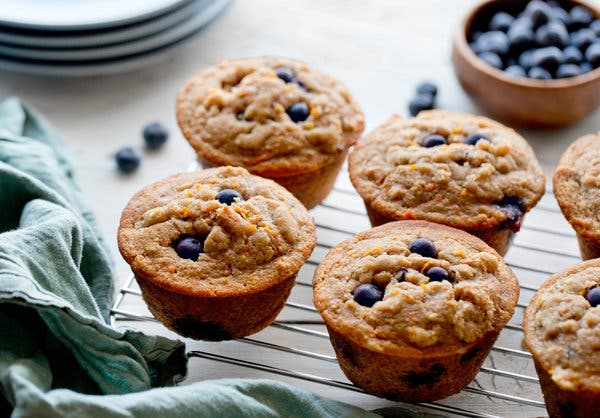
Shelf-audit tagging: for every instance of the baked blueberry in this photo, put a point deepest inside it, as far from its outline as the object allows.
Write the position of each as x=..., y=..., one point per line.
x=580, y=17
x=300, y=84
x=285, y=73
x=492, y=59
x=155, y=135
x=474, y=138
x=572, y=55
x=298, y=112
x=593, y=54
x=400, y=276
x=501, y=21
x=427, y=88
x=548, y=58
x=516, y=70
x=419, y=103
x=595, y=27
x=229, y=196
x=582, y=38
x=513, y=207
x=434, y=141
x=367, y=294
x=520, y=37
x=553, y=33
x=189, y=247
x=423, y=247
x=593, y=296
x=539, y=12
x=495, y=41
x=568, y=70
x=128, y=160
x=437, y=274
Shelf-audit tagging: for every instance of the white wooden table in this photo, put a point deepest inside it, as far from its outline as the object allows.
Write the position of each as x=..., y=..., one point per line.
x=380, y=49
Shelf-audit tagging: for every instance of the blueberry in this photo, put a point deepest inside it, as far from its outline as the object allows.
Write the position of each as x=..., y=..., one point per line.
x=492, y=59
x=298, y=112
x=560, y=14
x=300, y=84
x=155, y=135
x=434, y=141
x=593, y=54
x=228, y=196
x=367, y=294
x=423, y=247
x=401, y=274
x=474, y=138
x=501, y=21
x=494, y=41
x=516, y=71
x=553, y=33
x=572, y=55
x=583, y=38
x=539, y=12
x=285, y=73
x=420, y=103
x=548, y=58
x=595, y=27
x=513, y=208
x=189, y=247
x=526, y=59
x=475, y=35
x=520, y=37
x=127, y=159
x=427, y=88
x=580, y=17
x=437, y=274
x=568, y=70
x=539, y=73
x=585, y=67
x=593, y=296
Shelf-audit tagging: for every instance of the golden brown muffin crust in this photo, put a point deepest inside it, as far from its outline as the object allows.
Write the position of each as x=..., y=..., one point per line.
x=415, y=313
x=562, y=330
x=457, y=184
x=235, y=113
x=249, y=245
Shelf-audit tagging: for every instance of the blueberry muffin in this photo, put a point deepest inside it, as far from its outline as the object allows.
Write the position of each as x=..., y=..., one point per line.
x=464, y=171
x=562, y=331
x=215, y=252
x=277, y=117
x=413, y=308
x=577, y=190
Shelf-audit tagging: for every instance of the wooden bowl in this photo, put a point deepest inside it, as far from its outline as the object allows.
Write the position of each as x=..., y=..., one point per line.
x=520, y=100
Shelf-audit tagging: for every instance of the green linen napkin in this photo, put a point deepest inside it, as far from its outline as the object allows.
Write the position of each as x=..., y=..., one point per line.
x=59, y=357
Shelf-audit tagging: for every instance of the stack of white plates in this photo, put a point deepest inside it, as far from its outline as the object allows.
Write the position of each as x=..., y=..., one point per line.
x=91, y=37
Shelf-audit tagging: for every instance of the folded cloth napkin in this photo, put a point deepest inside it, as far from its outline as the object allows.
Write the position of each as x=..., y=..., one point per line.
x=59, y=357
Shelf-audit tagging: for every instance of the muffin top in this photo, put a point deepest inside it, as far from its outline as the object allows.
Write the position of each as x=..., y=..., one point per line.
x=578, y=174
x=457, y=169
x=408, y=286
x=562, y=327
x=273, y=116
x=218, y=232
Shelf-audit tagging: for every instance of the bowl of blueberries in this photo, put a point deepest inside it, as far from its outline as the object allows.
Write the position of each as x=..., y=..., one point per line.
x=532, y=63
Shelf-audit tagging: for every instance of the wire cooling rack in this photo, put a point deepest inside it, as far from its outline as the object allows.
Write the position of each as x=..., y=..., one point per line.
x=296, y=349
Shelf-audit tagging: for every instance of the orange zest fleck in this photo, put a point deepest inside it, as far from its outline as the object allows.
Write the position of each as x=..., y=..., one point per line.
x=197, y=186
x=190, y=194
x=185, y=212
x=412, y=166
x=243, y=212
x=423, y=286
x=457, y=129
x=463, y=193
x=430, y=187
x=172, y=269
x=408, y=214
x=373, y=251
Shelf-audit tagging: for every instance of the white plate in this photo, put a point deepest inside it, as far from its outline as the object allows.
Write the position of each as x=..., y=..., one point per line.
x=201, y=16
x=79, y=14
x=49, y=39
x=33, y=39
x=141, y=59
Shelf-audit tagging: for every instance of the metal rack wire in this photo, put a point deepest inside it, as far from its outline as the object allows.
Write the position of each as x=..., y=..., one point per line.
x=296, y=347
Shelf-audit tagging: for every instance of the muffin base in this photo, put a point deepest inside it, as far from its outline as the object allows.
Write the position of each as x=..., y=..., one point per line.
x=310, y=188
x=216, y=318
x=497, y=238
x=587, y=248
x=566, y=403
x=409, y=379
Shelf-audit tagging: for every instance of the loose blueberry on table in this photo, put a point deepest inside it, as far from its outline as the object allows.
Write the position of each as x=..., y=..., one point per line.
x=367, y=294
x=189, y=247
x=539, y=41
x=229, y=196
x=423, y=247
x=426, y=94
x=128, y=160
x=155, y=135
